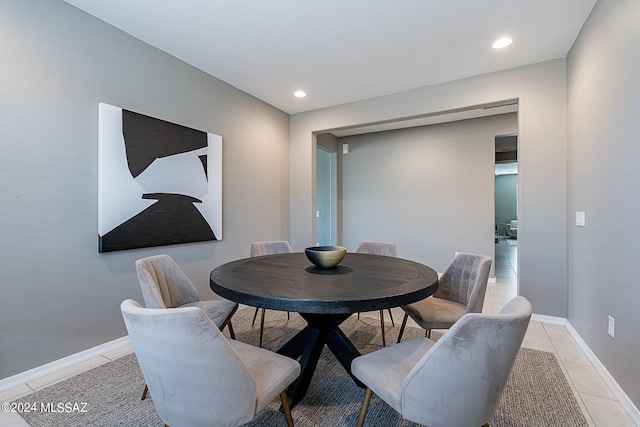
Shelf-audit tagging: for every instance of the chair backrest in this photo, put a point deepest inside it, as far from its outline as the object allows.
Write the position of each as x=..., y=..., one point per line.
x=270, y=248
x=163, y=283
x=465, y=281
x=377, y=248
x=460, y=380
x=193, y=375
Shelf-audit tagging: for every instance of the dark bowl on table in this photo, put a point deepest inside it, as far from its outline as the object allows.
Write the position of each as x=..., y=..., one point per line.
x=325, y=256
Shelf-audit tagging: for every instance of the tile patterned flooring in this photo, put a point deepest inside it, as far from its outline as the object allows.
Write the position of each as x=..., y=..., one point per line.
x=599, y=405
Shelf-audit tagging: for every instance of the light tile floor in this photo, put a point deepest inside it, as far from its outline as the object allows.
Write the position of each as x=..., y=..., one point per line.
x=599, y=405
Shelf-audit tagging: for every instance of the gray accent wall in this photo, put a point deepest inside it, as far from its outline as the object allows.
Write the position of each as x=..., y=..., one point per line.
x=604, y=182
x=541, y=93
x=506, y=199
x=59, y=295
x=429, y=189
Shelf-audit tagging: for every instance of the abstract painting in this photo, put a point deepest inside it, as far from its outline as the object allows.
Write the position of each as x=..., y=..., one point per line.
x=159, y=183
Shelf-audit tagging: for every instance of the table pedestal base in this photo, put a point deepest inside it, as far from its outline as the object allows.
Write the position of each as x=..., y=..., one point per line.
x=307, y=344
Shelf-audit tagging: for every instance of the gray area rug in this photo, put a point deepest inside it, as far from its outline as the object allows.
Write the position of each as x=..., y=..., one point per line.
x=537, y=392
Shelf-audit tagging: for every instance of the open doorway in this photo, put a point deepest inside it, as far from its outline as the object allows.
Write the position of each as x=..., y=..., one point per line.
x=506, y=208
x=326, y=197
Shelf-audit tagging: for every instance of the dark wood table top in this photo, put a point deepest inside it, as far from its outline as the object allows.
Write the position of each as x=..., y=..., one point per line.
x=289, y=282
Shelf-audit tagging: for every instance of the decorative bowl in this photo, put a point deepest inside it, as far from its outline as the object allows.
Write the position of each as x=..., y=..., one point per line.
x=325, y=256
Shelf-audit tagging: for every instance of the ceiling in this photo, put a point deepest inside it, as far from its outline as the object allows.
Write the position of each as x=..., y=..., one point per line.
x=341, y=51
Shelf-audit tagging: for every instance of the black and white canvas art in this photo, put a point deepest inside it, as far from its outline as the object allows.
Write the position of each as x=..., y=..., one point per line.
x=160, y=183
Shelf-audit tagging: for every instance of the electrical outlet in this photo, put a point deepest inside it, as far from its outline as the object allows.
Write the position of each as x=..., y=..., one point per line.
x=612, y=327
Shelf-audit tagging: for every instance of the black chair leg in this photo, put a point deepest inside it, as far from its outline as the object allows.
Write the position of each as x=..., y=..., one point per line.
x=261, y=326
x=255, y=314
x=404, y=324
x=231, y=333
x=384, y=341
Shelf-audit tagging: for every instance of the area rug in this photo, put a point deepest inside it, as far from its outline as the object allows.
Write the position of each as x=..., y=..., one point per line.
x=537, y=393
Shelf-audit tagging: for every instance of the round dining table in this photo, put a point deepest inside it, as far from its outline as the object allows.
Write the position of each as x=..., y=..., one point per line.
x=324, y=298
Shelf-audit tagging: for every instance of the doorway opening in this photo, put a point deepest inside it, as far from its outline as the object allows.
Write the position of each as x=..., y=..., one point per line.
x=326, y=197
x=506, y=209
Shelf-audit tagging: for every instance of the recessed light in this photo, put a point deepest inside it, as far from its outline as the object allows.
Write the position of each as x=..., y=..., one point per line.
x=502, y=43
x=300, y=93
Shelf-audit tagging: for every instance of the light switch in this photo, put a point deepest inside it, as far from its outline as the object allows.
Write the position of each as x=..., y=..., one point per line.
x=580, y=219
x=317, y=214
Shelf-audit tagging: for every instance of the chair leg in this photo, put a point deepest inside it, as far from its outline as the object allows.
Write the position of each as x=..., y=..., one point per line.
x=365, y=407
x=231, y=333
x=404, y=324
x=261, y=326
x=384, y=342
x=255, y=314
x=287, y=408
x=391, y=317
x=427, y=333
x=144, y=392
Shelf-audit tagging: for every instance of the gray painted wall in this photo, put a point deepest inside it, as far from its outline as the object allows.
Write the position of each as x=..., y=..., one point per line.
x=604, y=177
x=429, y=189
x=506, y=199
x=541, y=93
x=59, y=296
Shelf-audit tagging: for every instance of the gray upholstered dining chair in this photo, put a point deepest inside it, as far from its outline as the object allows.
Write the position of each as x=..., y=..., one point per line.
x=461, y=290
x=268, y=248
x=379, y=248
x=196, y=376
x=456, y=381
x=164, y=285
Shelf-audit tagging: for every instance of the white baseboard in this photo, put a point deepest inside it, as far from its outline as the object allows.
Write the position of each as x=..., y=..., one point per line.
x=617, y=391
x=543, y=318
x=66, y=362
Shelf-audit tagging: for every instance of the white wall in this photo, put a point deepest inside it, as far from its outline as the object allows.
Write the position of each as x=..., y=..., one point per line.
x=59, y=295
x=541, y=92
x=604, y=177
x=429, y=189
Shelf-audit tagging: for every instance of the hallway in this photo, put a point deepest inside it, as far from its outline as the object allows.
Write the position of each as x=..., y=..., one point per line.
x=506, y=260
